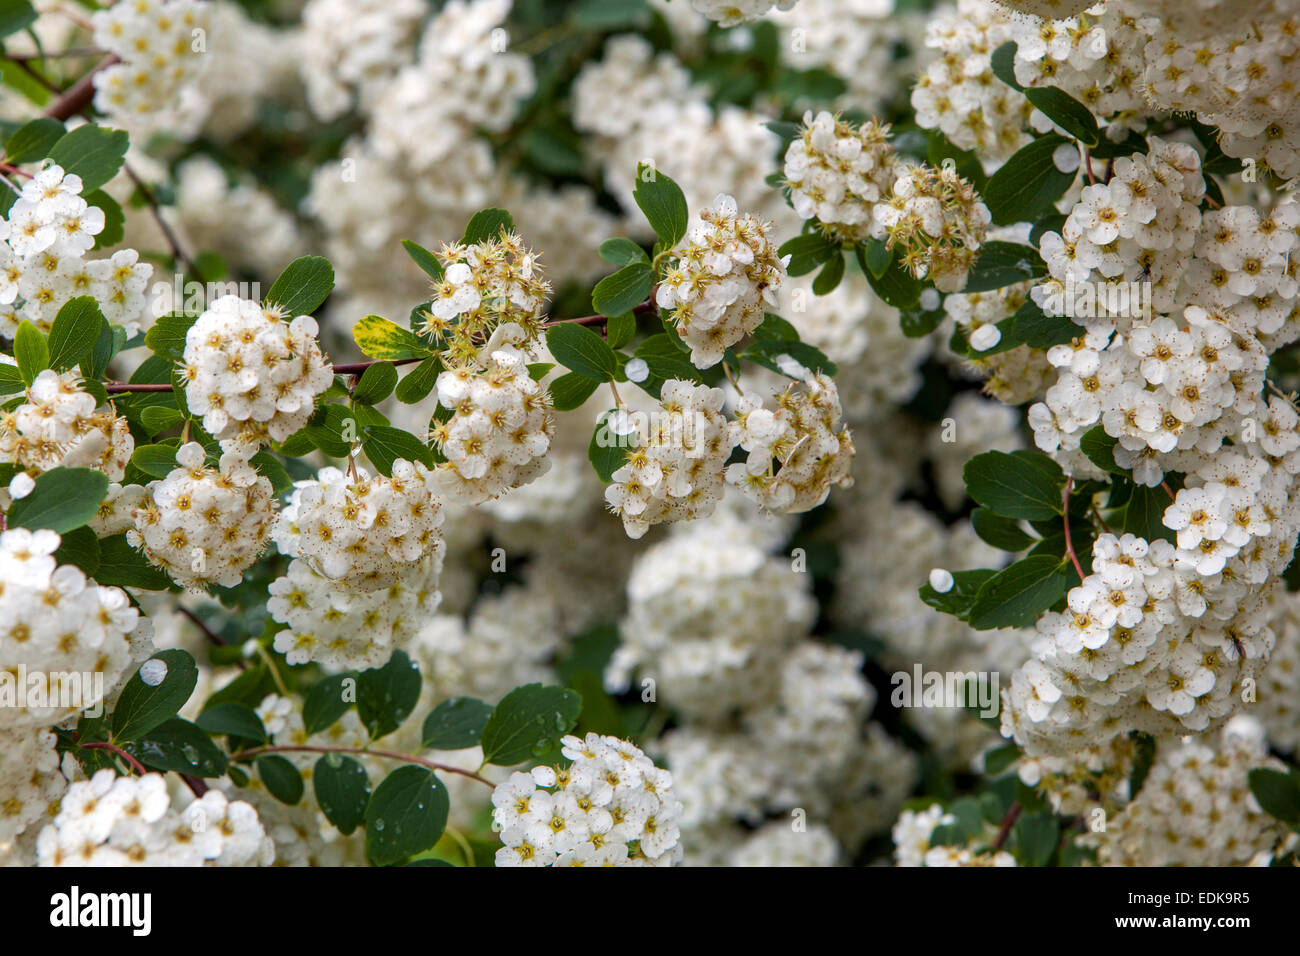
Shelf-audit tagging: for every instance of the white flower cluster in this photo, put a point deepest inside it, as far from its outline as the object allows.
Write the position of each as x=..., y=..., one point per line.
x=939, y=222
x=838, y=172
x=58, y=426
x=709, y=619
x=912, y=831
x=1097, y=58
x=129, y=821
x=46, y=234
x=869, y=44
x=464, y=79
x=361, y=532
x=1171, y=382
x=487, y=286
x=726, y=270
x=729, y=13
x=205, y=525
x=161, y=47
x=638, y=104
x=500, y=424
x=611, y=806
x=1162, y=635
x=252, y=377
x=804, y=436
x=675, y=471
x=30, y=781
x=779, y=844
x=958, y=93
x=352, y=45
x=53, y=621
x=1237, y=76
x=345, y=628
x=1195, y=807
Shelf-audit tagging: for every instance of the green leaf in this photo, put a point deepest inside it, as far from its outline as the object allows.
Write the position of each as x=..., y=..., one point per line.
x=1035, y=328
x=807, y=252
x=1015, y=596
x=281, y=777
x=156, y=461
x=999, y=531
x=425, y=259
x=327, y=701
x=342, y=789
x=1036, y=836
x=486, y=225
x=1144, y=513
x=121, y=565
x=1100, y=449
x=876, y=257
x=662, y=202
x=304, y=284
x=570, y=390
x=896, y=286
x=578, y=348
x=235, y=720
x=1028, y=184
x=30, y=351
x=178, y=746
x=419, y=381
x=386, y=695
x=377, y=383
x=114, y=219
x=769, y=352
x=11, y=380
x=527, y=721
x=35, y=138
x=95, y=153
x=622, y=252
x=406, y=815
x=1002, y=264
x=620, y=330
x=607, y=451
x=1066, y=112
x=1022, y=484
x=63, y=499
x=1278, y=793
x=958, y=599
x=623, y=291
x=830, y=276
x=166, y=337
x=378, y=338
x=326, y=429
x=775, y=327
x=142, y=707
x=1004, y=65
x=455, y=724
x=665, y=361
x=384, y=444
x=79, y=547
x=159, y=418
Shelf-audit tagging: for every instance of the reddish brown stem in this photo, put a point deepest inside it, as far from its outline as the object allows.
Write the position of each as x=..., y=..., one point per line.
x=1007, y=823
x=1069, y=546
x=78, y=97
x=113, y=748
x=357, y=751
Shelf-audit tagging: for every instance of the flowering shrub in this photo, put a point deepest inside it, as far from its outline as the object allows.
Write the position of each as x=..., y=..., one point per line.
x=671, y=432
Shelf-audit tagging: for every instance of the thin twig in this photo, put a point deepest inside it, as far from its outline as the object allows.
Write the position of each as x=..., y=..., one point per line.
x=114, y=748
x=173, y=243
x=78, y=97
x=1069, y=546
x=363, y=752
x=1007, y=823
